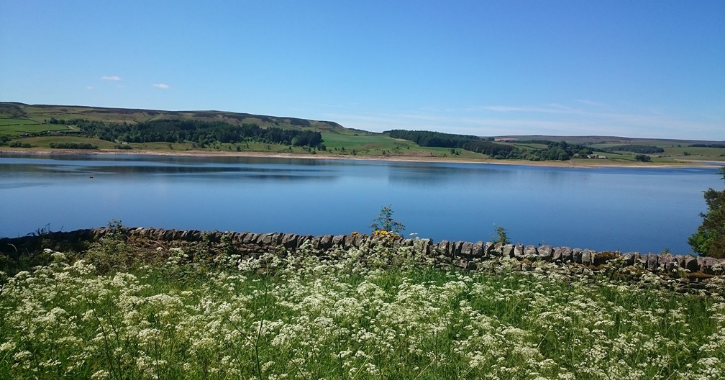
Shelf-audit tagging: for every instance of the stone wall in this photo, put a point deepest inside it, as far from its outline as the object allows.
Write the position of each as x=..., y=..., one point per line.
x=461, y=254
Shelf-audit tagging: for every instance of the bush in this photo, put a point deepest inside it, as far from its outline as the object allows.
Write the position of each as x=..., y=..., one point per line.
x=643, y=158
x=18, y=144
x=385, y=222
x=709, y=240
x=71, y=145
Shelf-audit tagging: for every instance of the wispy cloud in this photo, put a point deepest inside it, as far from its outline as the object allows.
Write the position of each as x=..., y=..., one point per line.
x=89, y=87
x=162, y=86
x=590, y=102
x=552, y=119
x=111, y=77
x=551, y=108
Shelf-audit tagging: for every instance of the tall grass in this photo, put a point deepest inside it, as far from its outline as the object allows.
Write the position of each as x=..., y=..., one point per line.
x=361, y=314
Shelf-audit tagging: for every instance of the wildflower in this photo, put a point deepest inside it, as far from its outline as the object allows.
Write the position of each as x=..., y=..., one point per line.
x=99, y=375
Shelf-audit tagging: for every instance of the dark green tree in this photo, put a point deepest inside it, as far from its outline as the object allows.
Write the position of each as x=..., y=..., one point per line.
x=642, y=158
x=709, y=240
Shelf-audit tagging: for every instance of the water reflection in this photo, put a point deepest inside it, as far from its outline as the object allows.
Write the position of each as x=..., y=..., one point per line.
x=603, y=208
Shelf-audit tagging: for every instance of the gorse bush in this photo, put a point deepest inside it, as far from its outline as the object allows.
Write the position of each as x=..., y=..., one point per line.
x=369, y=313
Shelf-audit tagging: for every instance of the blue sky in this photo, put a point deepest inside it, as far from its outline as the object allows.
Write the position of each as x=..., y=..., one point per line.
x=625, y=68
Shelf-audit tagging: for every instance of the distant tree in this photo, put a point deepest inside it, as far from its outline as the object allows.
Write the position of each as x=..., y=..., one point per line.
x=709, y=240
x=636, y=149
x=642, y=158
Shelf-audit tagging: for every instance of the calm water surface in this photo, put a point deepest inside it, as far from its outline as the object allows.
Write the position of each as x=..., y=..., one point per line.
x=604, y=208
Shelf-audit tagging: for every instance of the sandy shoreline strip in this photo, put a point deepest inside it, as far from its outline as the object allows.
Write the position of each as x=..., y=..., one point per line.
x=589, y=163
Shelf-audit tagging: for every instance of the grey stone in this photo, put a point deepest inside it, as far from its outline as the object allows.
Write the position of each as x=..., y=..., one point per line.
x=290, y=240
x=588, y=257
x=652, y=262
x=519, y=251
x=302, y=239
x=706, y=264
x=444, y=248
x=477, y=250
x=691, y=264
x=546, y=252
x=467, y=250
x=629, y=258
x=326, y=242
x=576, y=254
x=489, y=249
x=249, y=238
x=339, y=240
x=457, y=249
x=567, y=254
x=601, y=258
x=531, y=252
x=507, y=250
x=668, y=263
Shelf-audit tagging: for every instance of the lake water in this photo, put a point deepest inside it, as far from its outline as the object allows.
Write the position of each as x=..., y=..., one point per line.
x=629, y=209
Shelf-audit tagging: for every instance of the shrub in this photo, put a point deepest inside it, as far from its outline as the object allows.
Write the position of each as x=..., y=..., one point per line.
x=709, y=240
x=385, y=222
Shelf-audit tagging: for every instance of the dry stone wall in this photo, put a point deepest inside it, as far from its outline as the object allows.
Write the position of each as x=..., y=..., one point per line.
x=461, y=254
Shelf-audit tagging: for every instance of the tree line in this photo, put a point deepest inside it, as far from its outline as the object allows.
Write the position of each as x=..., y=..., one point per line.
x=72, y=145
x=197, y=131
x=483, y=145
x=560, y=151
x=647, y=149
x=435, y=139
x=707, y=145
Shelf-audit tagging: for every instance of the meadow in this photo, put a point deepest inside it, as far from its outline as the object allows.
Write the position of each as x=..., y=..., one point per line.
x=369, y=313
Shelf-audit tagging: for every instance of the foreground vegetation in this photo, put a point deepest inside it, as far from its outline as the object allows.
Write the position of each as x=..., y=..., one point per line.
x=709, y=240
x=115, y=311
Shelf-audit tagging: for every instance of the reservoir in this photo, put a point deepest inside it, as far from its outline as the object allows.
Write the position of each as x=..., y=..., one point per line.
x=626, y=209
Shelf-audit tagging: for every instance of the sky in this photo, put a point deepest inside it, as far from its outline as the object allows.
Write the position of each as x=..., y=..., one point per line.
x=489, y=68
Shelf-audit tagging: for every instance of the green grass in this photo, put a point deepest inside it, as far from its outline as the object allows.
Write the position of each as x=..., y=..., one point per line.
x=186, y=314
x=365, y=141
x=42, y=142
x=15, y=127
x=16, y=119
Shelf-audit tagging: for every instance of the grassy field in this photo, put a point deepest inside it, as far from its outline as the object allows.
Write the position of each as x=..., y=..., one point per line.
x=17, y=119
x=360, y=314
x=43, y=142
x=15, y=127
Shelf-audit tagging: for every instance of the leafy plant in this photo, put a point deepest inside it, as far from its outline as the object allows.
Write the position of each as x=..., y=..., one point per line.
x=111, y=253
x=502, y=236
x=709, y=240
x=385, y=222
x=42, y=231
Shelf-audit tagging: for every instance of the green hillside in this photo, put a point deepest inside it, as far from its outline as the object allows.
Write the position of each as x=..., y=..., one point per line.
x=56, y=127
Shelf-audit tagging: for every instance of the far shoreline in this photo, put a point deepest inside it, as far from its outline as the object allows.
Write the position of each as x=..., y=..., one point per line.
x=589, y=163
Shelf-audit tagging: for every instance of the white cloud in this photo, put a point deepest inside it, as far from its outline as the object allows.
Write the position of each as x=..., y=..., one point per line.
x=551, y=108
x=89, y=87
x=162, y=86
x=590, y=102
x=552, y=119
x=111, y=77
